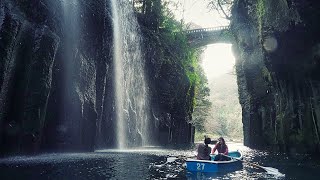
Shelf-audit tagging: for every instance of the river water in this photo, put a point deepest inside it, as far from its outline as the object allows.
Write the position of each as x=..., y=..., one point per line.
x=150, y=163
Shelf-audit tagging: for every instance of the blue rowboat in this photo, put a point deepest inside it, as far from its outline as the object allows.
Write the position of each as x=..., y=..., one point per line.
x=195, y=165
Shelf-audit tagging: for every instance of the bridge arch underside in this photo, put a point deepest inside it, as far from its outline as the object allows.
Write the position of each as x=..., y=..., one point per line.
x=199, y=39
x=217, y=62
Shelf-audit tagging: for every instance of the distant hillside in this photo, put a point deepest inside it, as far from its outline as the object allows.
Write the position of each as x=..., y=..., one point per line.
x=225, y=113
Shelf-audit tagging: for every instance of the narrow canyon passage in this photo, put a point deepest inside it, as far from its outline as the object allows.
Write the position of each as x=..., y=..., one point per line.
x=113, y=88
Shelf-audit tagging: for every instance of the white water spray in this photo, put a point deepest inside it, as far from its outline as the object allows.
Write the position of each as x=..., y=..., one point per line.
x=70, y=23
x=129, y=79
x=71, y=32
x=118, y=75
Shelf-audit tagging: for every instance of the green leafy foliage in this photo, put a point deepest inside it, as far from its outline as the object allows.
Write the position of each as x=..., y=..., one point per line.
x=202, y=103
x=173, y=43
x=226, y=113
x=260, y=14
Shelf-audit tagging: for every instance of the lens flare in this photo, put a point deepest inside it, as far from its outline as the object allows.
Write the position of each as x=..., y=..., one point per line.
x=270, y=44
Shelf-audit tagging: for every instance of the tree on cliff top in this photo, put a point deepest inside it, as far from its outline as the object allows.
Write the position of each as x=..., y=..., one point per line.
x=152, y=9
x=223, y=7
x=158, y=17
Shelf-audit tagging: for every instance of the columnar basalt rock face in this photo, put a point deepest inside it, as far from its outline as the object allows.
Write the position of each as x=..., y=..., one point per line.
x=171, y=93
x=27, y=57
x=34, y=112
x=277, y=51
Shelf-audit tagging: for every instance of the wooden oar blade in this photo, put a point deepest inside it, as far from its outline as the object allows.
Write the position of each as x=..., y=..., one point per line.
x=273, y=171
x=174, y=158
x=171, y=159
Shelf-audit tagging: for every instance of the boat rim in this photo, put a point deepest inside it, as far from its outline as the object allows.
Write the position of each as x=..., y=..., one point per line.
x=218, y=162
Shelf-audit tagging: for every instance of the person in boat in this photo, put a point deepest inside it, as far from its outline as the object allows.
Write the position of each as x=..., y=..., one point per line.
x=222, y=149
x=204, y=150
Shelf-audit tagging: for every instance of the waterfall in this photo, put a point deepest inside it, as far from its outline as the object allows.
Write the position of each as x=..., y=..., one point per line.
x=131, y=96
x=70, y=109
x=70, y=26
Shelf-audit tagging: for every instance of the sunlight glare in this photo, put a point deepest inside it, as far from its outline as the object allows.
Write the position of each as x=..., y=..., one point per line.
x=218, y=60
x=196, y=11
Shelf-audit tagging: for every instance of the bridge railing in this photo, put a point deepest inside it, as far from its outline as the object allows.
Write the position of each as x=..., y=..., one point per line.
x=207, y=29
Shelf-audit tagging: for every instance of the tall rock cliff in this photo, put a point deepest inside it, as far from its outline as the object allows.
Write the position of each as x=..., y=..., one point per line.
x=278, y=67
x=34, y=111
x=172, y=93
x=56, y=84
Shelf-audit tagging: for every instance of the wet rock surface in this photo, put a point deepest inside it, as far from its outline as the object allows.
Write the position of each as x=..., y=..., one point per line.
x=56, y=83
x=278, y=73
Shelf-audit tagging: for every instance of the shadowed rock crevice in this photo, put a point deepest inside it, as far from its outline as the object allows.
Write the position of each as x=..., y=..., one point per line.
x=278, y=72
x=46, y=105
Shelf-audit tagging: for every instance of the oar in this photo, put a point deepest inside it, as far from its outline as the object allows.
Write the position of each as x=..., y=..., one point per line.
x=269, y=170
x=171, y=159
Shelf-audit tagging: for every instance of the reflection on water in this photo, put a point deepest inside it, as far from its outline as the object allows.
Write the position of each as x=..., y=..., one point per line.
x=78, y=166
x=150, y=163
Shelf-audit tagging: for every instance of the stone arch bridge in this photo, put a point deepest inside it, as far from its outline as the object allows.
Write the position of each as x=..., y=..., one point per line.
x=205, y=36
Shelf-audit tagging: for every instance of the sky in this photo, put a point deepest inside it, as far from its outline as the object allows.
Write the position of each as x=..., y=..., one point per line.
x=196, y=11
x=217, y=58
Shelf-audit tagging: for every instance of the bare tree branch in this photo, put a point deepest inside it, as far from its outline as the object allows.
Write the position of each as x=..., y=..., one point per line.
x=221, y=8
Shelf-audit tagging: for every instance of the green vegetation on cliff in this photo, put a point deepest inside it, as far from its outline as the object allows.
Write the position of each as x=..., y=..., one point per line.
x=260, y=14
x=173, y=52
x=277, y=91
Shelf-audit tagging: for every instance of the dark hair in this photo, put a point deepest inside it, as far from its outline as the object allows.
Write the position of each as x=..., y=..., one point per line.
x=207, y=140
x=221, y=138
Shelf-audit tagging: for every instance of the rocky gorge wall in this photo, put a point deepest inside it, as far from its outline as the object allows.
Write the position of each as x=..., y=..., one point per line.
x=172, y=93
x=34, y=112
x=41, y=111
x=278, y=68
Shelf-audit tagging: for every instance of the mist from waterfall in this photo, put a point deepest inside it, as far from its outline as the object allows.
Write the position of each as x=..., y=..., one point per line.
x=131, y=96
x=71, y=32
x=70, y=28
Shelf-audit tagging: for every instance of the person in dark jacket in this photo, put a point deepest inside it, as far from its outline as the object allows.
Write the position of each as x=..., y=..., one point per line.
x=204, y=150
x=222, y=149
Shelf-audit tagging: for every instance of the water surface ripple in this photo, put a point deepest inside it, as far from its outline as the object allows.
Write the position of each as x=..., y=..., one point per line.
x=150, y=163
